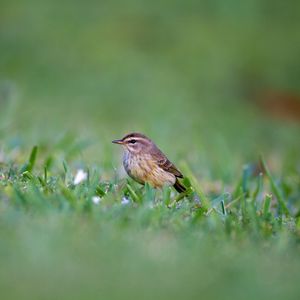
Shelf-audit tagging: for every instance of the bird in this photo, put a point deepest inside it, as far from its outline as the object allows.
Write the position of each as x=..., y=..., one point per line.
x=146, y=163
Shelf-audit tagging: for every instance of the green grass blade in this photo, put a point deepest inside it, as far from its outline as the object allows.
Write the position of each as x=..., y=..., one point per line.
x=282, y=208
x=223, y=208
x=32, y=158
x=133, y=194
x=259, y=187
x=28, y=167
x=195, y=184
x=267, y=205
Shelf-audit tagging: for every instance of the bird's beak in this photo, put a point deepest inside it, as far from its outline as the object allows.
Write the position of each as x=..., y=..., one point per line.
x=120, y=142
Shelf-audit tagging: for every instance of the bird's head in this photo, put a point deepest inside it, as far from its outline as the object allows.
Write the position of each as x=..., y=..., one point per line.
x=135, y=143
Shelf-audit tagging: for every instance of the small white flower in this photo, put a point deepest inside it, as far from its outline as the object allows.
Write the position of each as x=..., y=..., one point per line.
x=80, y=176
x=125, y=201
x=96, y=199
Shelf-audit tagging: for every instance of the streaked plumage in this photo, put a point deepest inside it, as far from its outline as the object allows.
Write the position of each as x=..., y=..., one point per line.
x=145, y=162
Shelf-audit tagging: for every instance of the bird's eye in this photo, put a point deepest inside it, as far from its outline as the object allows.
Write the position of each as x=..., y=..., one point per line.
x=132, y=141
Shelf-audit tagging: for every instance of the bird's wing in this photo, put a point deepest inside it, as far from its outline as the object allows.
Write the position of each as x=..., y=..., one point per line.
x=165, y=164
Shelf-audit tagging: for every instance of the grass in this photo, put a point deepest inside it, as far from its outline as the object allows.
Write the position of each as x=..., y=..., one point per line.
x=56, y=242
x=73, y=77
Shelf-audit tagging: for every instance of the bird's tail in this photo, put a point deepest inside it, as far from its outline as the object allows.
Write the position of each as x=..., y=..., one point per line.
x=179, y=187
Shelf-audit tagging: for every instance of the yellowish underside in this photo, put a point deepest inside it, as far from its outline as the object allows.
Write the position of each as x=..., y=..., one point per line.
x=144, y=169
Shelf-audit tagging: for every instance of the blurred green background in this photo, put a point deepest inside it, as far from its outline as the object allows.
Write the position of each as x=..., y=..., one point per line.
x=214, y=83
x=187, y=74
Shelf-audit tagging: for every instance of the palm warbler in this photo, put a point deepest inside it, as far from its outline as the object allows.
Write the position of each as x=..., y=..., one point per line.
x=145, y=162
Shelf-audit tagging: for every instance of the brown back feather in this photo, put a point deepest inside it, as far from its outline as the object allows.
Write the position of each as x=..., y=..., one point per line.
x=164, y=163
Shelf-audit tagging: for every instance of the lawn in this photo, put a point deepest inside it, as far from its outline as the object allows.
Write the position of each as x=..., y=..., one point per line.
x=74, y=76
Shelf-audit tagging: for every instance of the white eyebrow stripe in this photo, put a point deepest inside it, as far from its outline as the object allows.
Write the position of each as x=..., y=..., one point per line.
x=134, y=138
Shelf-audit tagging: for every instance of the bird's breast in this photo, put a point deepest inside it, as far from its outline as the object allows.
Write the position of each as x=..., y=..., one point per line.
x=137, y=166
x=143, y=168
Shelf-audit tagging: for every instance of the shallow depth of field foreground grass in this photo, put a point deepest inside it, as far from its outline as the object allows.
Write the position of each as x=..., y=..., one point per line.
x=111, y=238
x=215, y=84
